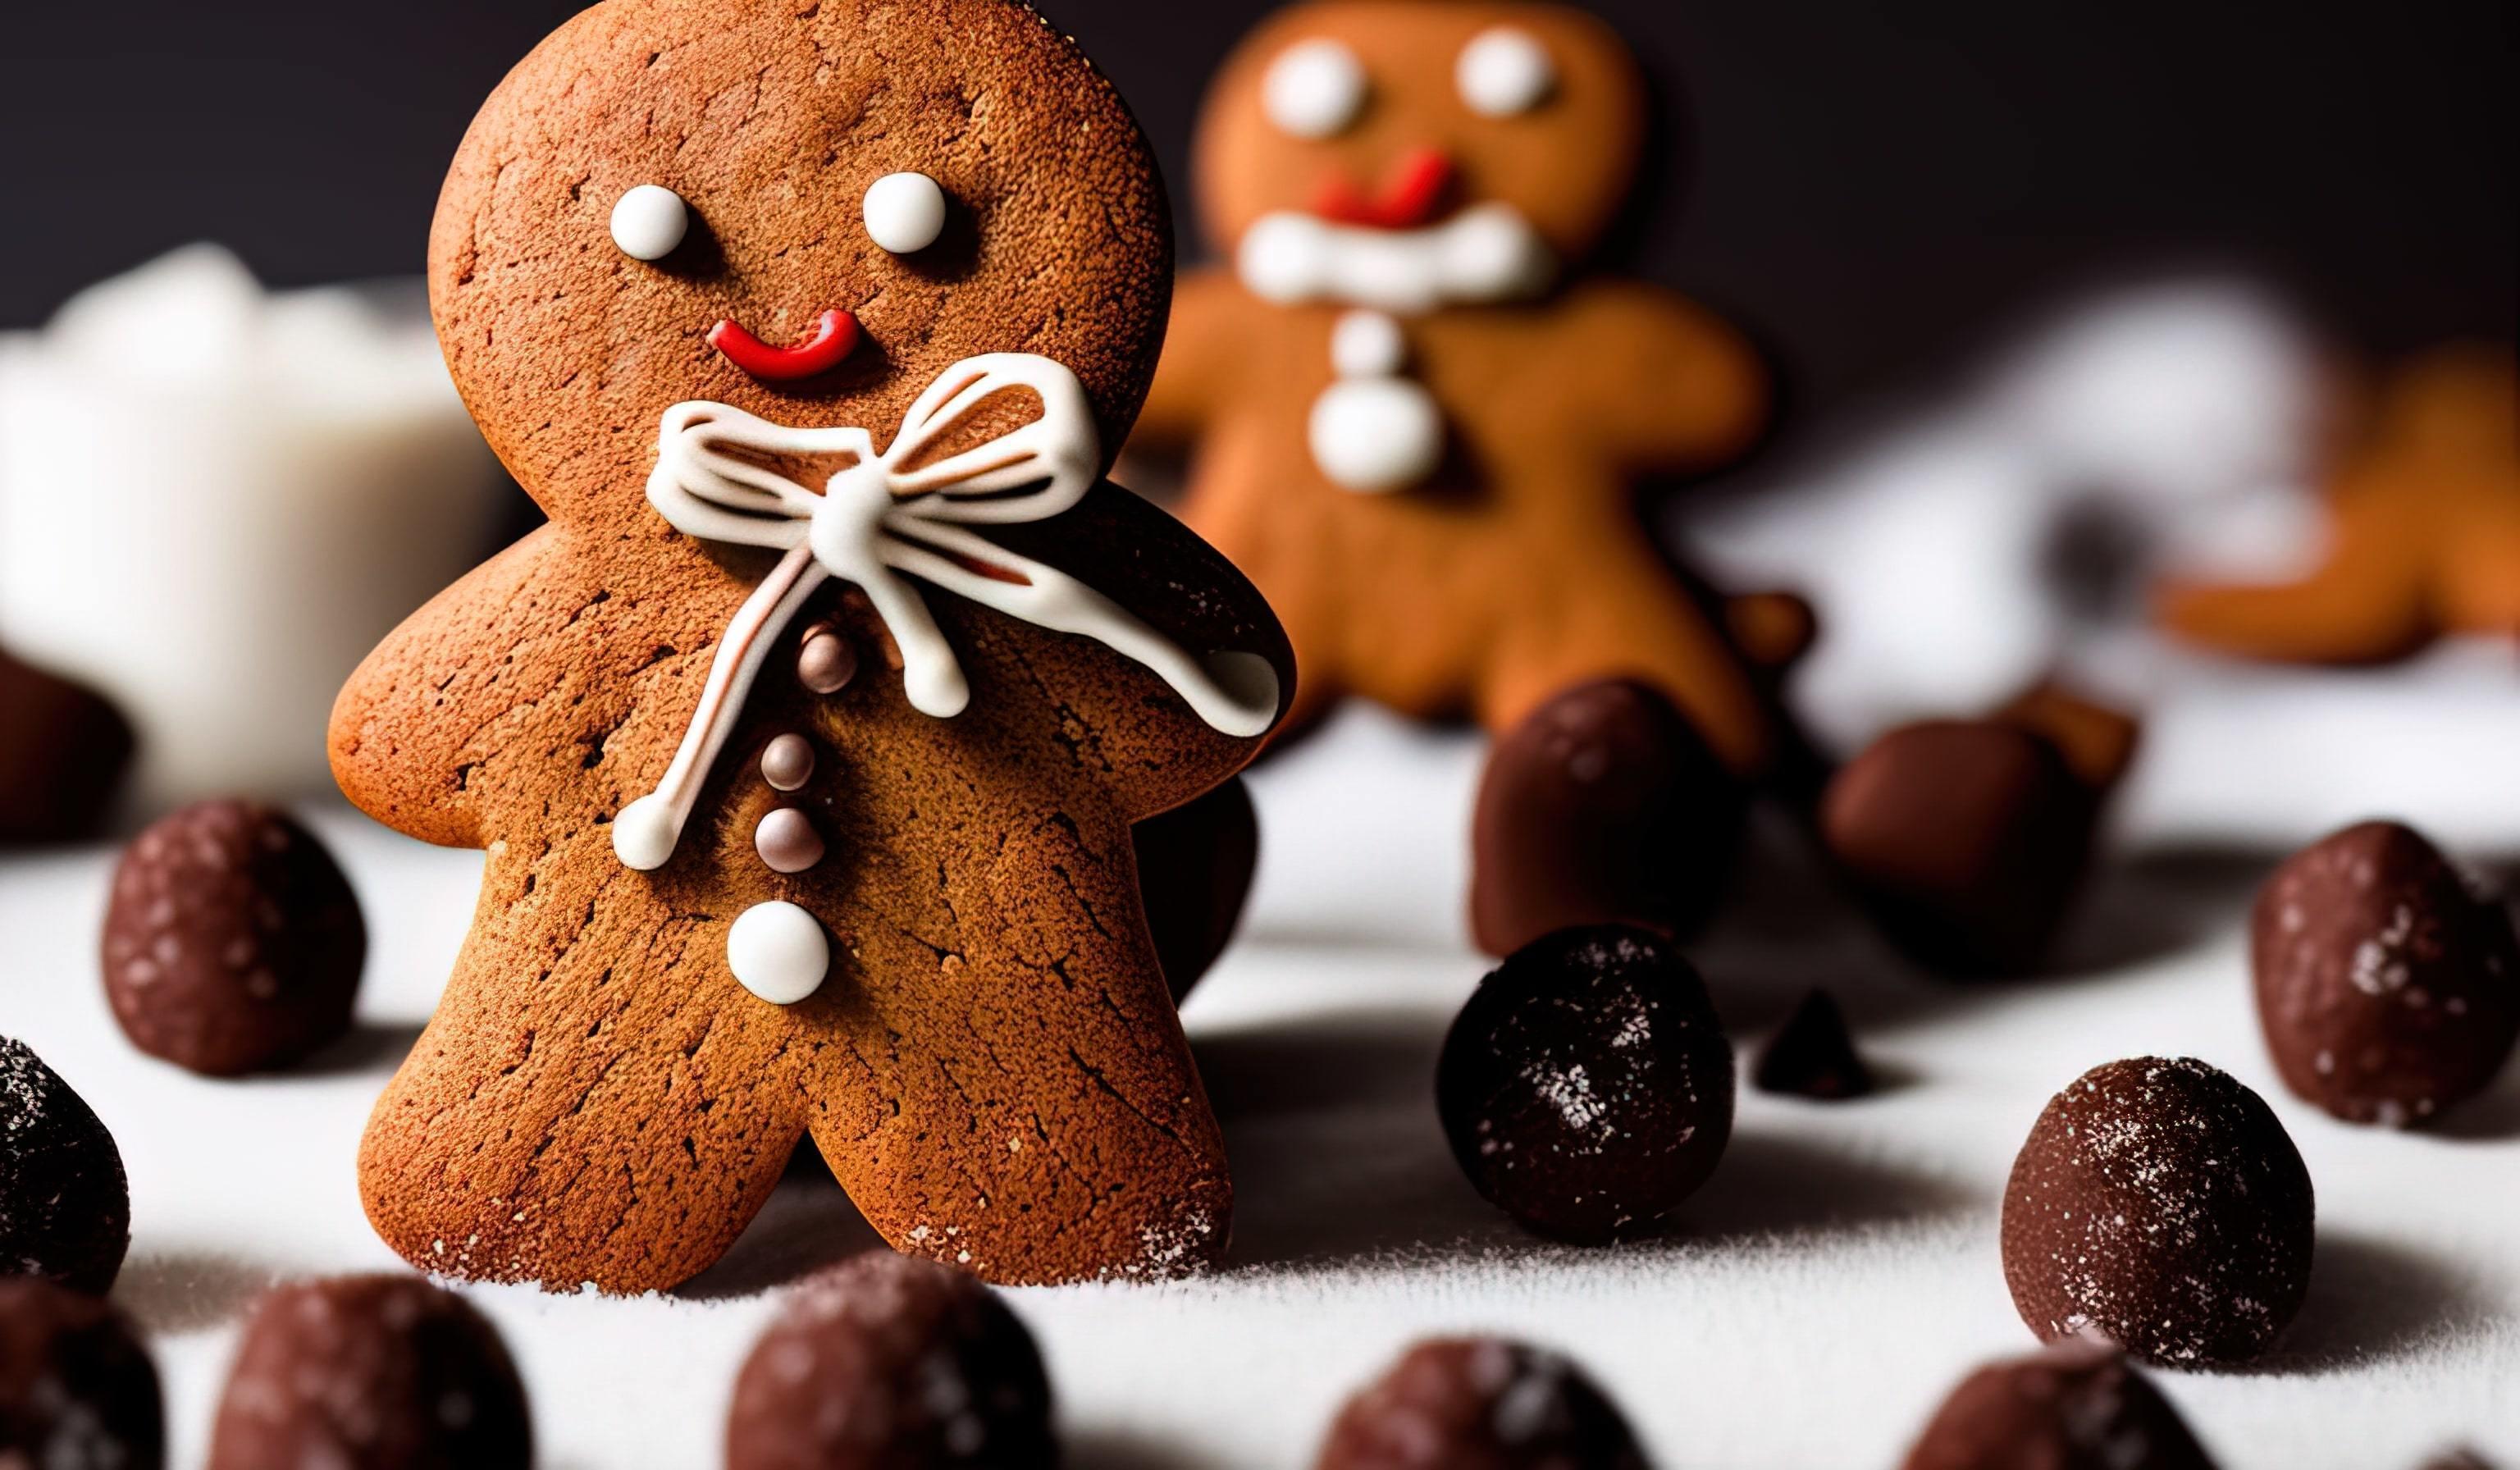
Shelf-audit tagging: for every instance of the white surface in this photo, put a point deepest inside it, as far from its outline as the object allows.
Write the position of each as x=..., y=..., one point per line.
x=1810, y=1308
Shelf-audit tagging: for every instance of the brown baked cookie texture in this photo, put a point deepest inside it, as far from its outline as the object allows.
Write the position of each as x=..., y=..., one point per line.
x=806, y=741
x=1413, y=416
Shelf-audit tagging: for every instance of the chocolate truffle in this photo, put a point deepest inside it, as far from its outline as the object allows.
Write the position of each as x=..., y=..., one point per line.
x=64, y=1207
x=1602, y=806
x=1586, y=1085
x=889, y=1363
x=62, y=752
x=379, y=1371
x=2388, y=990
x=77, y=1388
x=1195, y=866
x=232, y=943
x=2160, y=1204
x=1480, y=1404
x=2075, y=1406
x=1966, y=841
x=1812, y=1055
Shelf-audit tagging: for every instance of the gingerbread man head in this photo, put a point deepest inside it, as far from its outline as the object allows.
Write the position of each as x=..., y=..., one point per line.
x=806, y=740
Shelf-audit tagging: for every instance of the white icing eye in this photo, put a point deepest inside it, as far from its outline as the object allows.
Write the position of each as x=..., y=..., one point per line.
x=905, y=213
x=648, y=221
x=1503, y=72
x=1314, y=89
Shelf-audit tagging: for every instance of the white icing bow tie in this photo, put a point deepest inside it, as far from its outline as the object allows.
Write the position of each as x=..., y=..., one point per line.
x=886, y=515
x=1486, y=254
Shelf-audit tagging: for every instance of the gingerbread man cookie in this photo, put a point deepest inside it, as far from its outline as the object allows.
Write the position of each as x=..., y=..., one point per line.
x=806, y=741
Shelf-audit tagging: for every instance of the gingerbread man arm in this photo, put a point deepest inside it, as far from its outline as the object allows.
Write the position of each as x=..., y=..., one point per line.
x=1671, y=387
x=1200, y=347
x=2365, y=602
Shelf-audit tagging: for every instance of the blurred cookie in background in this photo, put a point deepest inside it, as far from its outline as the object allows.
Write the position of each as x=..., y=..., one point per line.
x=63, y=748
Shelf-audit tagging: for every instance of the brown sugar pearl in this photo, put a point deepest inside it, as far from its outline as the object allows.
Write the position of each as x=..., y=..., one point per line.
x=788, y=763
x=1587, y=1087
x=2075, y=1406
x=888, y=1361
x=786, y=840
x=77, y=1388
x=375, y=1370
x=825, y=661
x=65, y=1206
x=233, y=942
x=1480, y=1404
x=2388, y=991
x=2160, y=1204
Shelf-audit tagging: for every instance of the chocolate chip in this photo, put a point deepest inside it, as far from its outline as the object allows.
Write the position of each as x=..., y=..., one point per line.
x=1812, y=1055
x=77, y=1388
x=64, y=1207
x=1195, y=866
x=231, y=943
x=1603, y=805
x=2160, y=1204
x=2075, y=1406
x=2388, y=991
x=1480, y=1404
x=383, y=1370
x=1586, y=1085
x=889, y=1361
x=62, y=752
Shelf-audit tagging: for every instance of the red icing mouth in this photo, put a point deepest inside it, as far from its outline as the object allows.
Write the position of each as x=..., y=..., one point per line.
x=835, y=335
x=1412, y=191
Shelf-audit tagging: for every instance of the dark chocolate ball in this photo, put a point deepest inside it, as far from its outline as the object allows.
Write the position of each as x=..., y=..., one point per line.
x=77, y=1388
x=1603, y=805
x=232, y=943
x=63, y=751
x=1586, y=1085
x=1480, y=1404
x=65, y=1206
x=2160, y=1204
x=1966, y=840
x=2075, y=1406
x=1195, y=866
x=2387, y=989
x=890, y=1363
x=1812, y=1055
x=385, y=1372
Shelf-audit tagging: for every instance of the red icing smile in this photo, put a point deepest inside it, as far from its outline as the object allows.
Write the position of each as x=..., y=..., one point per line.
x=1411, y=193
x=834, y=334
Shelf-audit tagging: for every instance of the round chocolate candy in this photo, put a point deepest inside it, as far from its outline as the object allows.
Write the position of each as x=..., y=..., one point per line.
x=1195, y=866
x=65, y=1206
x=2160, y=1204
x=888, y=1360
x=1586, y=1085
x=1603, y=805
x=1812, y=1055
x=232, y=943
x=2075, y=1406
x=77, y=1388
x=371, y=1370
x=2387, y=989
x=63, y=751
x=1480, y=1404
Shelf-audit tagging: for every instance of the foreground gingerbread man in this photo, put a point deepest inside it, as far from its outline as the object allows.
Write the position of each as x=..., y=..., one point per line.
x=805, y=742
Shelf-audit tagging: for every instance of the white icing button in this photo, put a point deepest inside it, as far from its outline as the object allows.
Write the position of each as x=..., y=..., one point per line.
x=1314, y=89
x=788, y=762
x=1503, y=72
x=786, y=841
x=643, y=833
x=648, y=221
x=1377, y=434
x=1367, y=344
x=778, y=952
x=903, y=213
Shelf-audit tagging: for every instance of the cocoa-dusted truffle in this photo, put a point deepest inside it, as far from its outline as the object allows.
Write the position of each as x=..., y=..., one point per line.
x=374, y=1370
x=63, y=751
x=1480, y=1404
x=77, y=1388
x=890, y=1363
x=1195, y=866
x=1812, y=1055
x=2161, y=1204
x=232, y=943
x=65, y=1206
x=1586, y=1085
x=1603, y=805
x=2075, y=1406
x=2388, y=990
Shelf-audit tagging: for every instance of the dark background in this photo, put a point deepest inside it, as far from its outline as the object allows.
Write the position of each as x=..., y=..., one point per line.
x=1867, y=186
